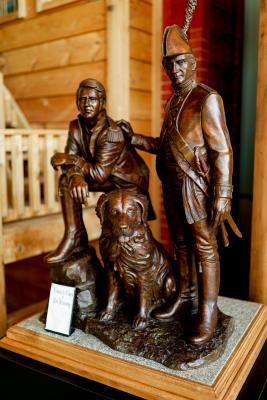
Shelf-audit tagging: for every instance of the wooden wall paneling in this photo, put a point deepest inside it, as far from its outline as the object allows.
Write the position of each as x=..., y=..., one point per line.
x=51, y=110
x=156, y=103
x=86, y=48
x=140, y=75
x=118, y=58
x=140, y=45
x=141, y=15
x=142, y=126
x=55, y=81
x=44, y=27
x=258, y=268
x=141, y=103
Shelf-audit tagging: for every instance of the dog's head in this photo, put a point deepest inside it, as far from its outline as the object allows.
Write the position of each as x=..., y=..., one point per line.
x=124, y=211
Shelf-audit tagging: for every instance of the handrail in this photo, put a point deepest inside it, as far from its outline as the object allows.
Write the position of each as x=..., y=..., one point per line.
x=11, y=115
x=14, y=117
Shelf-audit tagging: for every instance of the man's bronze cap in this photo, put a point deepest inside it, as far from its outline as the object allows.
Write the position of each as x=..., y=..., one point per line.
x=175, y=42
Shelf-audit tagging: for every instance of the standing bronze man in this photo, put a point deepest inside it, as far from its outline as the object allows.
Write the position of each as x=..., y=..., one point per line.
x=195, y=163
x=97, y=157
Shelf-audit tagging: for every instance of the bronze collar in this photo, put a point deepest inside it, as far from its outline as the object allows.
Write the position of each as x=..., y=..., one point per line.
x=97, y=126
x=184, y=88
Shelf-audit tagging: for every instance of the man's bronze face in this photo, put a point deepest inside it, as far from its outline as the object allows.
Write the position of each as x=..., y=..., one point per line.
x=179, y=68
x=89, y=103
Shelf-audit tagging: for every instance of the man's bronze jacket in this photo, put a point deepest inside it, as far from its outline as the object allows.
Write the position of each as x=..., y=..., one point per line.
x=109, y=156
x=196, y=119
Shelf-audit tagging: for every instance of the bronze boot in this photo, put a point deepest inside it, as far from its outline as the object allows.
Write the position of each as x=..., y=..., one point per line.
x=75, y=237
x=186, y=302
x=208, y=293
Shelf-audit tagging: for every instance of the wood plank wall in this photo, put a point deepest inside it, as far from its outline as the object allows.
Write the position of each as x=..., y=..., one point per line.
x=141, y=65
x=141, y=72
x=48, y=53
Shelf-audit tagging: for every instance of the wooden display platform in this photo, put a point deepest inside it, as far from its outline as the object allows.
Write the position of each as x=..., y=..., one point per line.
x=141, y=380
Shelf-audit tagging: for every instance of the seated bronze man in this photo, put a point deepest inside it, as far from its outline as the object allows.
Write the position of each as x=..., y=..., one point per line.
x=97, y=157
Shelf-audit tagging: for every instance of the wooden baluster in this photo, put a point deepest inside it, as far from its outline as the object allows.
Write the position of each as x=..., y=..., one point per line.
x=18, y=200
x=3, y=209
x=34, y=173
x=3, y=177
x=3, y=315
x=61, y=143
x=7, y=107
x=62, y=140
x=2, y=103
x=14, y=116
x=49, y=175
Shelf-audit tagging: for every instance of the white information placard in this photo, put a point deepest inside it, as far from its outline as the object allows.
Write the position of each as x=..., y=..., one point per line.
x=60, y=309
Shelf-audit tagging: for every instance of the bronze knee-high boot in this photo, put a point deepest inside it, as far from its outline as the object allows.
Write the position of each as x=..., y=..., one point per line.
x=209, y=282
x=186, y=301
x=75, y=237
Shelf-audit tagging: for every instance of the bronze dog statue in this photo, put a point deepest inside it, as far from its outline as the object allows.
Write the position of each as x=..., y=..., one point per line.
x=133, y=259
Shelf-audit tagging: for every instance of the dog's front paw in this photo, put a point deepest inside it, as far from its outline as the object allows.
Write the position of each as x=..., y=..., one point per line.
x=140, y=322
x=105, y=315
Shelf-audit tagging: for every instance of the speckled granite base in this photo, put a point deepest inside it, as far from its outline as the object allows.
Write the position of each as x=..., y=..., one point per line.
x=164, y=343
x=243, y=313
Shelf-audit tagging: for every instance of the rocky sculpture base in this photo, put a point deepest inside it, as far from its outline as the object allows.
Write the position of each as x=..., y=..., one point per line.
x=84, y=272
x=164, y=343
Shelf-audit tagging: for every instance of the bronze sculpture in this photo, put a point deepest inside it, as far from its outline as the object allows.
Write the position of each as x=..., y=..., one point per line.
x=195, y=165
x=97, y=157
x=133, y=259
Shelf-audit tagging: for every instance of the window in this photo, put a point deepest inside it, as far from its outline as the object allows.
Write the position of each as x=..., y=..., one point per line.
x=12, y=9
x=42, y=5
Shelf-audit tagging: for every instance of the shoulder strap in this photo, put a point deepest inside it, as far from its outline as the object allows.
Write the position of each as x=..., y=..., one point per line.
x=114, y=133
x=187, y=168
x=179, y=140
